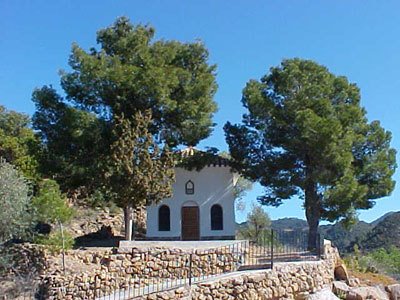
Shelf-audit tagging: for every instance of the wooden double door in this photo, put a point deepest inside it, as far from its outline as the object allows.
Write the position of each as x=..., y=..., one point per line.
x=190, y=223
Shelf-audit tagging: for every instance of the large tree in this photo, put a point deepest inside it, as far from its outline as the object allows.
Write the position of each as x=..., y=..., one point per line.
x=76, y=142
x=141, y=173
x=306, y=134
x=131, y=72
x=128, y=72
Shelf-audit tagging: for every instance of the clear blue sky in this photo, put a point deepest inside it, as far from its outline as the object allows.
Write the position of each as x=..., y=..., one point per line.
x=358, y=39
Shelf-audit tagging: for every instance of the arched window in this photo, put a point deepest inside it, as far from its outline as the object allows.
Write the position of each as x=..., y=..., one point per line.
x=164, y=218
x=216, y=217
x=189, y=188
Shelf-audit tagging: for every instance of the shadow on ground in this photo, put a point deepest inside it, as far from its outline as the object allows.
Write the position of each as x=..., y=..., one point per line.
x=102, y=238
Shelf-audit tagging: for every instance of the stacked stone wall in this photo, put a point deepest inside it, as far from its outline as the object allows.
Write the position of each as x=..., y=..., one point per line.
x=23, y=260
x=103, y=272
x=98, y=272
x=291, y=280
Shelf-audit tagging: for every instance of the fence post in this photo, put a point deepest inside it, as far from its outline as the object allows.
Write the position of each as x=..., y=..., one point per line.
x=63, y=245
x=190, y=268
x=272, y=248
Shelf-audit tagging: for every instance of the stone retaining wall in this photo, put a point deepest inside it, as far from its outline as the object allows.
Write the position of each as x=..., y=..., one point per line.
x=25, y=259
x=286, y=281
x=101, y=272
x=295, y=280
x=104, y=272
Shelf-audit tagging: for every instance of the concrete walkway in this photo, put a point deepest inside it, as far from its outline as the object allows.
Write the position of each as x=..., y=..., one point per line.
x=185, y=245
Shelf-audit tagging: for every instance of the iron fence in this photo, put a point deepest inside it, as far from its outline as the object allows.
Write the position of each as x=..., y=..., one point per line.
x=184, y=270
x=270, y=247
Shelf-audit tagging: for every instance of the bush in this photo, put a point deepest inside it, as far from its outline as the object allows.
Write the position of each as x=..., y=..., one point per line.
x=388, y=260
x=50, y=203
x=256, y=225
x=54, y=241
x=384, y=261
x=15, y=210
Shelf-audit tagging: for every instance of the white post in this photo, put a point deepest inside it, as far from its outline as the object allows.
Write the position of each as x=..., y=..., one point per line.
x=63, y=245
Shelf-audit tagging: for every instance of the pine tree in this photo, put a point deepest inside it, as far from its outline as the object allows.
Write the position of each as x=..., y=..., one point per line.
x=306, y=134
x=141, y=173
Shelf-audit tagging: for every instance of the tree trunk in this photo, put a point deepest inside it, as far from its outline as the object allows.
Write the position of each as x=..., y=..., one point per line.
x=313, y=214
x=312, y=234
x=128, y=222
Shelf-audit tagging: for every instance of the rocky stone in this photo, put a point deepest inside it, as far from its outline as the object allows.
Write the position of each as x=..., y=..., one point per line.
x=102, y=272
x=302, y=296
x=354, y=282
x=341, y=272
x=393, y=291
x=325, y=294
x=340, y=288
x=367, y=292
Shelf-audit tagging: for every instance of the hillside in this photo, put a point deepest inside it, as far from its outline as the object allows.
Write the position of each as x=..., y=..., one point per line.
x=283, y=224
x=289, y=223
x=384, y=234
x=377, y=221
x=344, y=238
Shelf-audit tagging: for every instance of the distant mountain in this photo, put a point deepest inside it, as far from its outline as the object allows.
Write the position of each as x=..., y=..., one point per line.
x=283, y=224
x=382, y=232
x=385, y=233
x=289, y=223
x=374, y=223
x=344, y=238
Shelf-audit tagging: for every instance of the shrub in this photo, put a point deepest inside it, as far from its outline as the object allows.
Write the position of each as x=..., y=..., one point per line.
x=54, y=241
x=103, y=199
x=256, y=225
x=15, y=210
x=50, y=203
x=384, y=261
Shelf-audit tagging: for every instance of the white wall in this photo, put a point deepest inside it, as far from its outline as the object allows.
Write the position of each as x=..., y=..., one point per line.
x=212, y=185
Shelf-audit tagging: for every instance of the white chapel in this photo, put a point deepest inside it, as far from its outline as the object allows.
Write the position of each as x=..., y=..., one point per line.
x=202, y=206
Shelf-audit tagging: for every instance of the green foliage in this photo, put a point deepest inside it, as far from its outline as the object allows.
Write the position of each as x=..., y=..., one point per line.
x=132, y=72
x=306, y=134
x=389, y=259
x=99, y=198
x=50, y=205
x=256, y=226
x=384, y=261
x=54, y=241
x=18, y=143
x=76, y=141
x=129, y=73
x=15, y=212
x=141, y=173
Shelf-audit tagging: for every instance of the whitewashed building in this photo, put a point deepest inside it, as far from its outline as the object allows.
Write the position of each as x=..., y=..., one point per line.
x=202, y=206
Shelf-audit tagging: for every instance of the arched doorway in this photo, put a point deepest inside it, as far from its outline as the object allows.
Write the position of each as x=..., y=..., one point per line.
x=190, y=230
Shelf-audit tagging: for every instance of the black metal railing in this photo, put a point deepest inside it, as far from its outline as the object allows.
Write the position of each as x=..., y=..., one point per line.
x=272, y=246
x=185, y=269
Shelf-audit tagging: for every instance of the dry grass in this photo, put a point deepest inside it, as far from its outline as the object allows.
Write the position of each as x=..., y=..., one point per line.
x=369, y=278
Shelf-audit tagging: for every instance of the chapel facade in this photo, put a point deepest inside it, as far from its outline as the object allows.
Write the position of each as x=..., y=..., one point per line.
x=202, y=206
